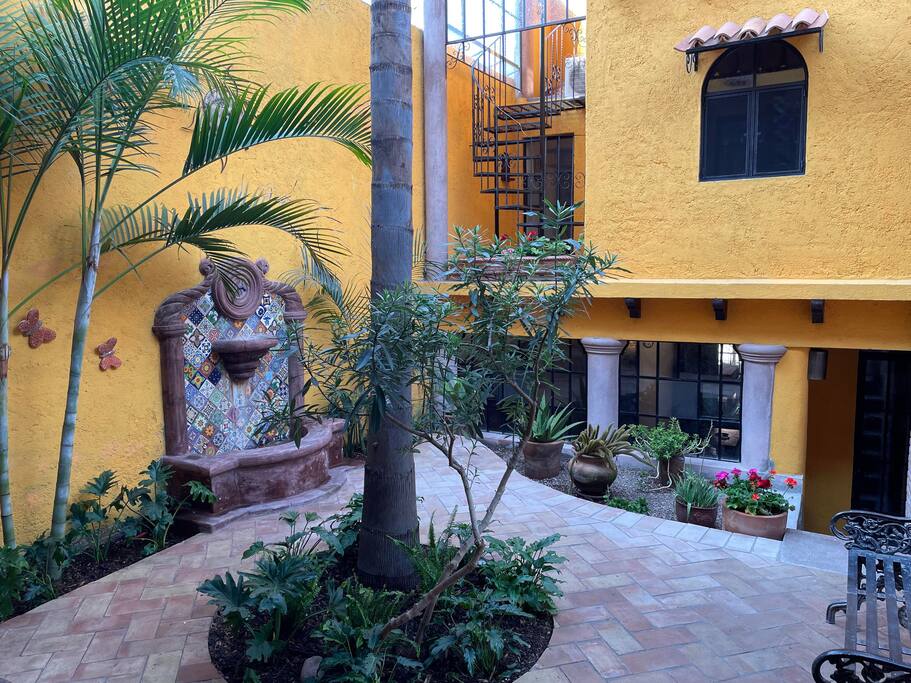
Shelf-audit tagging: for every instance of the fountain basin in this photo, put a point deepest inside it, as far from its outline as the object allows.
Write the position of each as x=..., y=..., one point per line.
x=242, y=355
x=259, y=479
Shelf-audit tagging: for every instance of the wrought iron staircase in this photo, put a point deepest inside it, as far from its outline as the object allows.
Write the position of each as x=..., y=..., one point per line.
x=509, y=134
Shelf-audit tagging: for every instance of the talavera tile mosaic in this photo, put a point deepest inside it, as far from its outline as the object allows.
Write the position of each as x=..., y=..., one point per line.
x=222, y=416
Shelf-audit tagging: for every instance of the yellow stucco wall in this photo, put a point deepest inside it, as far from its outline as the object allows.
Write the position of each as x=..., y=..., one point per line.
x=847, y=217
x=120, y=417
x=830, y=441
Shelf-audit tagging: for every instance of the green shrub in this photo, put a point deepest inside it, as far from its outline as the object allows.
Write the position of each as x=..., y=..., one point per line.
x=667, y=440
x=93, y=521
x=351, y=636
x=639, y=505
x=476, y=640
x=154, y=509
x=14, y=580
x=519, y=573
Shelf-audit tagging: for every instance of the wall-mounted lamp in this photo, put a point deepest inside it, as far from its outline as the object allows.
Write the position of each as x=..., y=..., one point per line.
x=818, y=364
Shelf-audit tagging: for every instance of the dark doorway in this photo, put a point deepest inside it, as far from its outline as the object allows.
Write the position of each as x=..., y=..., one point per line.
x=881, y=432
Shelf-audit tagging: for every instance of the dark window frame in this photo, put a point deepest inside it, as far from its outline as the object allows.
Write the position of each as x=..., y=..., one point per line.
x=562, y=148
x=753, y=117
x=719, y=420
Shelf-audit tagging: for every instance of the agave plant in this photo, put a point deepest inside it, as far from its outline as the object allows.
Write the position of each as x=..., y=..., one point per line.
x=549, y=426
x=87, y=81
x=607, y=444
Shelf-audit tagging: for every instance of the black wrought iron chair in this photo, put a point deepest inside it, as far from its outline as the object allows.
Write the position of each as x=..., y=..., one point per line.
x=879, y=546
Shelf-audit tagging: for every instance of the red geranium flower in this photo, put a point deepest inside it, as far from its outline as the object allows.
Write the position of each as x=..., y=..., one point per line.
x=764, y=484
x=791, y=482
x=755, y=496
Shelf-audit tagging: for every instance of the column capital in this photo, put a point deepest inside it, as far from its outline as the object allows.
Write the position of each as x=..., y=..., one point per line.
x=760, y=353
x=603, y=346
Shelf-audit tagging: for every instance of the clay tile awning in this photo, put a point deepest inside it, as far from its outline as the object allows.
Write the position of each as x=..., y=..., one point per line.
x=731, y=33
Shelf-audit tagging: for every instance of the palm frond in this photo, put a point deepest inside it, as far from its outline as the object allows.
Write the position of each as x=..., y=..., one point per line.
x=315, y=273
x=207, y=215
x=337, y=113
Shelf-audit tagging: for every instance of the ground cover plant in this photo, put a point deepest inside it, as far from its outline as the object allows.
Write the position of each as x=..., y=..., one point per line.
x=299, y=601
x=109, y=527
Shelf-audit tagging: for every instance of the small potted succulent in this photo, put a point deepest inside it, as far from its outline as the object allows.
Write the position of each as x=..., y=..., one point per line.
x=665, y=448
x=696, y=500
x=751, y=506
x=544, y=447
x=594, y=467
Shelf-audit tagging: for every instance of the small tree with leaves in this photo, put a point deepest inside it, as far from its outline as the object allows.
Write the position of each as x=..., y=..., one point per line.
x=497, y=320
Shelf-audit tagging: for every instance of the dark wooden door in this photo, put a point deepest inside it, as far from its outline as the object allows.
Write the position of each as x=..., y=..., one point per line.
x=882, y=426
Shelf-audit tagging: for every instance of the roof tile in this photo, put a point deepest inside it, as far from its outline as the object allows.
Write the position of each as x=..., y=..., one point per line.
x=731, y=32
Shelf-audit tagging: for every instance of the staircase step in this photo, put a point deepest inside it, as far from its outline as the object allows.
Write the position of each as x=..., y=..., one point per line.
x=516, y=127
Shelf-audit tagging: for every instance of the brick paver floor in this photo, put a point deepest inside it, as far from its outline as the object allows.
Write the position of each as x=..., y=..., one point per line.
x=645, y=599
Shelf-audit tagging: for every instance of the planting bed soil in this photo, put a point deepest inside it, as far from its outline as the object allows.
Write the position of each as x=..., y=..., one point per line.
x=631, y=483
x=227, y=646
x=82, y=569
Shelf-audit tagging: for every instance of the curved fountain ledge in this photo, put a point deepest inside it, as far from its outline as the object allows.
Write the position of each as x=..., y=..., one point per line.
x=262, y=479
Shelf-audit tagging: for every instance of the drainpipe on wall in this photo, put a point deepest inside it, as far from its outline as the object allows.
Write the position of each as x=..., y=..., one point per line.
x=436, y=138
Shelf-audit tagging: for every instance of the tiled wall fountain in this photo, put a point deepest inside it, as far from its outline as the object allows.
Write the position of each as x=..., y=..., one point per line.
x=226, y=362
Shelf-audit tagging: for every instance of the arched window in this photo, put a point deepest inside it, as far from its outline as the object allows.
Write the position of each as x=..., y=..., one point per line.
x=754, y=113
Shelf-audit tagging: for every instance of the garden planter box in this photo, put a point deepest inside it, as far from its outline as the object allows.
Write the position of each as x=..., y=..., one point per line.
x=495, y=267
x=699, y=516
x=770, y=526
x=542, y=460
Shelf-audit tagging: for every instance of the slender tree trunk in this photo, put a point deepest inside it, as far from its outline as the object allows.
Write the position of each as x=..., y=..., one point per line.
x=77, y=352
x=6, y=503
x=390, y=508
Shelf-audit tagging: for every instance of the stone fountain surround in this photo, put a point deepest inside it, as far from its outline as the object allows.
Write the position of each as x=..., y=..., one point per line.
x=245, y=481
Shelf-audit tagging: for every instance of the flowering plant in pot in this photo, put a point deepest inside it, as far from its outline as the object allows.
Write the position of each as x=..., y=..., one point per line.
x=665, y=448
x=696, y=499
x=751, y=506
x=594, y=467
x=545, y=443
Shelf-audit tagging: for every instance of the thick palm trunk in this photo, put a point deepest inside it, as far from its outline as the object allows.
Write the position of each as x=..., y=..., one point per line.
x=77, y=352
x=390, y=508
x=6, y=503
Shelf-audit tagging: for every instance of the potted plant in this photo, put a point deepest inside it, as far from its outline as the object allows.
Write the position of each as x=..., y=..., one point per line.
x=545, y=443
x=751, y=506
x=665, y=448
x=696, y=500
x=593, y=467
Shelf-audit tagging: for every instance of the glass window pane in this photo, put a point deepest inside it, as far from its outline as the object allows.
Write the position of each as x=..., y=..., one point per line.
x=629, y=388
x=629, y=365
x=709, y=360
x=732, y=71
x=725, y=129
x=779, y=133
x=777, y=62
x=708, y=399
x=629, y=418
x=493, y=16
x=678, y=399
x=730, y=401
x=456, y=19
x=648, y=359
x=648, y=396
x=731, y=365
x=679, y=361
x=514, y=13
x=474, y=18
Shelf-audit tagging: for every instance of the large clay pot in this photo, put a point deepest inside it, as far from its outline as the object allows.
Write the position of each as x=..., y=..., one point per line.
x=669, y=471
x=769, y=526
x=699, y=516
x=542, y=460
x=592, y=474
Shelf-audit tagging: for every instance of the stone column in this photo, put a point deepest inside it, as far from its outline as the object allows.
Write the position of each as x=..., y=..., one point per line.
x=436, y=139
x=603, y=380
x=759, y=363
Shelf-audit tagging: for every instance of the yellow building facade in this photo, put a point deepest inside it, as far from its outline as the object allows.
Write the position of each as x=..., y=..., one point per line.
x=811, y=260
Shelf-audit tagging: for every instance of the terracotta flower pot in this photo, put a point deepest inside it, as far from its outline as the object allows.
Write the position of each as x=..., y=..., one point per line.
x=592, y=474
x=542, y=460
x=699, y=516
x=671, y=470
x=768, y=526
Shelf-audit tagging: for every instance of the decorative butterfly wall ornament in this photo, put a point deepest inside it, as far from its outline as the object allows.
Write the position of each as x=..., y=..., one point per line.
x=106, y=350
x=33, y=327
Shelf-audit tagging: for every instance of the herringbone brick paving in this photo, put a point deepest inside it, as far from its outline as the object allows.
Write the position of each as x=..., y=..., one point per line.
x=645, y=599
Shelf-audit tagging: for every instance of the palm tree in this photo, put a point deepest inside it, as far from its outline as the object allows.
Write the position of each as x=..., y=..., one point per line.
x=85, y=80
x=390, y=508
